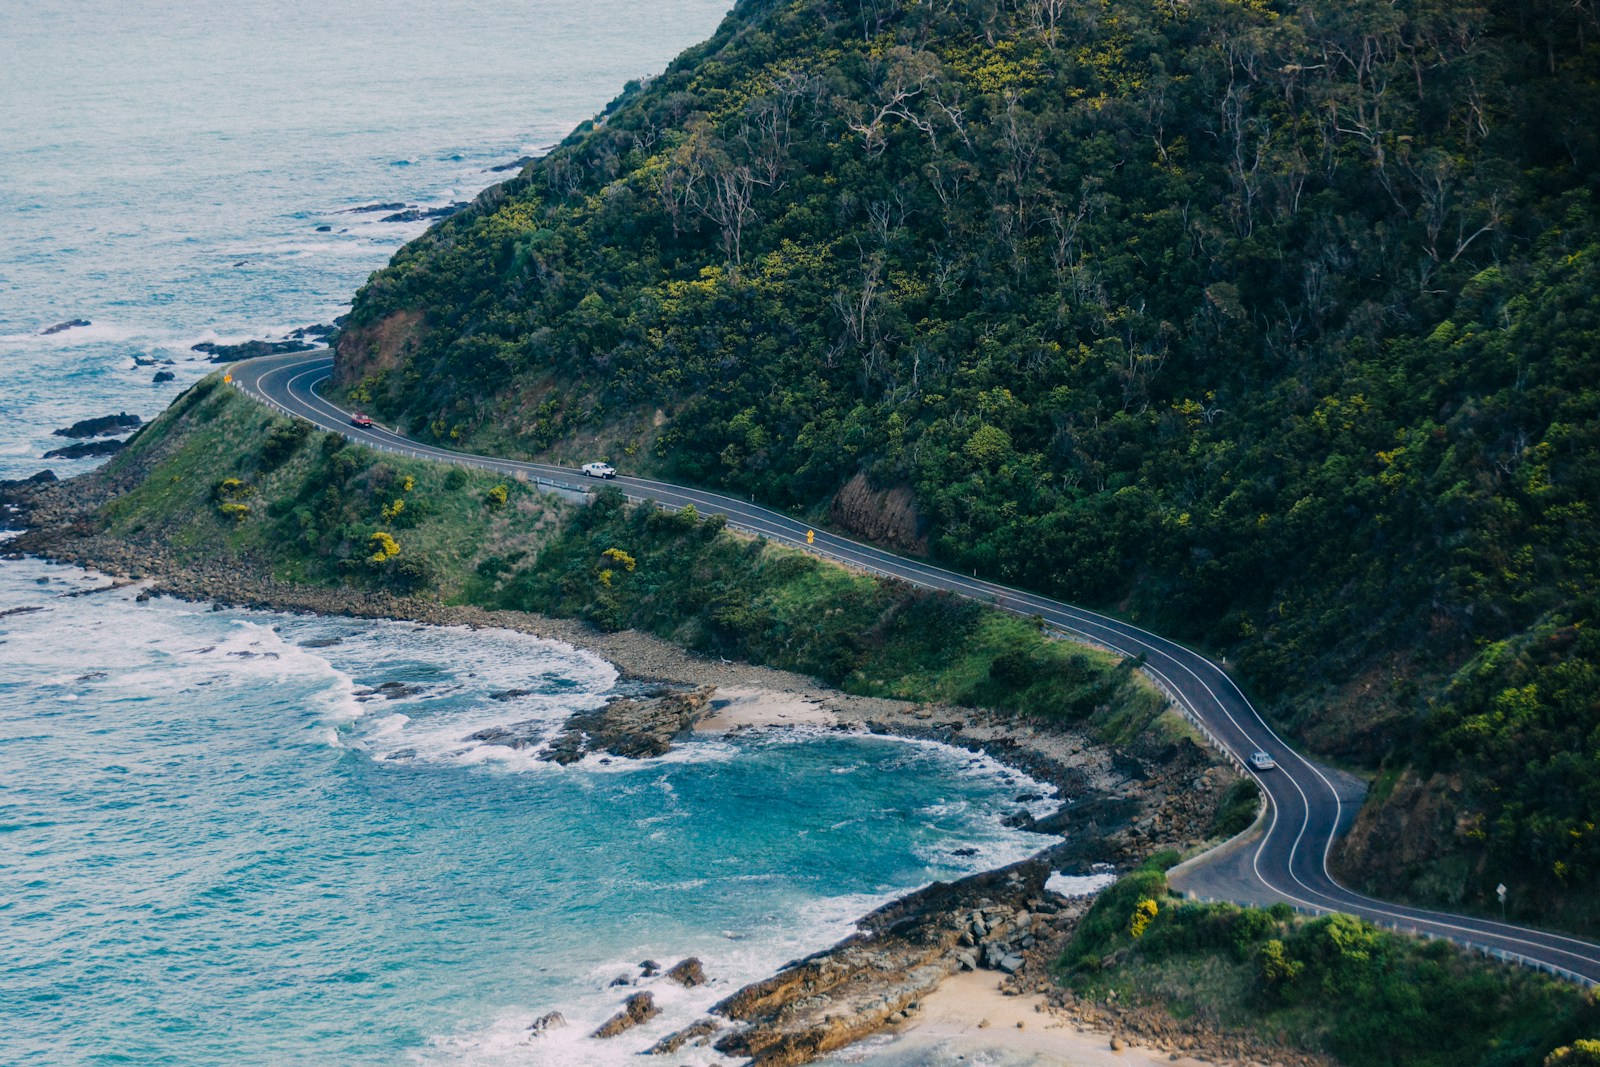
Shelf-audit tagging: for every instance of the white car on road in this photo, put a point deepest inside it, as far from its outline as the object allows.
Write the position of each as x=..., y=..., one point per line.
x=599, y=470
x=1262, y=762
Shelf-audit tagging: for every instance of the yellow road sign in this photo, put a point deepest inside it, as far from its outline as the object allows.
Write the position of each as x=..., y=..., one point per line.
x=226, y=378
x=811, y=537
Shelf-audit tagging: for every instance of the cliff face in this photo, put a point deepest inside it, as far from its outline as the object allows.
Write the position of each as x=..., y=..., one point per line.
x=1271, y=326
x=372, y=350
x=887, y=516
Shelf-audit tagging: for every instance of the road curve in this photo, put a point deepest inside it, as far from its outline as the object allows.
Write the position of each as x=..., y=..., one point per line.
x=1308, y=809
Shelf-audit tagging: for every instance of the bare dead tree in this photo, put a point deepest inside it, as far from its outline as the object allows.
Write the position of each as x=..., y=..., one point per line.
x=905, y=75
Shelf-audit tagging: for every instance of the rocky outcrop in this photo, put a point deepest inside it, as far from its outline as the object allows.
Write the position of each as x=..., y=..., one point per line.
x=885, y=516
x=639, y=1008
x=689, y=973
x=877, y=977
x=63, y=327
x=634, y=729
x=1425, y=830
x=248, y=349
x=420, y=214
x=515, y=164
x=372, y=348
x=320, y=331
x=697, y=1032
x=551, y=1020
x=163, y=376
x=85, y=449
x=101, y=426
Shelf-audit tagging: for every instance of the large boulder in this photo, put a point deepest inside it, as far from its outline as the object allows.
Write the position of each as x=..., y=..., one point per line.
x=689, y=973
x=101, y=426
x=639, y=1008
x=86, y=449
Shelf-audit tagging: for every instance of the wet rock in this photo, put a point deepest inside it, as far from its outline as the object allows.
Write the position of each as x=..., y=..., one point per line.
x=696, y=1032
x=248, y=349
x=101, y=426
x=162, y=376
x=43, y=477
x=420, y=214
x=689, y=973
x=871, y=979
x=85, y=449
x=510, y=694
x=517, y=735
x=324, y=229
x=367, y=208
x=322, y=642
x=62, y=327
x=553, y=1020
x=515, y=164
x=635, y=729
x=639, y=1008
x=650, y=968
x=318, y=332
x=28, y=610
x=620, y=980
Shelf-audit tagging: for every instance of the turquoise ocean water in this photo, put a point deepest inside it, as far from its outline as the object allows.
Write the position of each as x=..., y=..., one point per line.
x=213, y=848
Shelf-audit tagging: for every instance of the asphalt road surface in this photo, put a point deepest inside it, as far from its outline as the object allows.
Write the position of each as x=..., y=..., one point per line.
x=1310, y=804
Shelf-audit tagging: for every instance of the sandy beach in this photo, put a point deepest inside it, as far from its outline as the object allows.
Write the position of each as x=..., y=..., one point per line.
x=742, y=708
x=968, y=1020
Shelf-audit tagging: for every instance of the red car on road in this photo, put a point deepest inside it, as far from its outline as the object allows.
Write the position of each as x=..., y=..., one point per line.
x=363, y=421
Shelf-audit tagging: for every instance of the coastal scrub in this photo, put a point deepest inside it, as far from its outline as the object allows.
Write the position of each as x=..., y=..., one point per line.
x=1332, y=984
x=218, y=476
x=692, y=581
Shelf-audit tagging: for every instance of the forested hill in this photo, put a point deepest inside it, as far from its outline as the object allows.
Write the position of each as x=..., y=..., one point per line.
x=1272, y=326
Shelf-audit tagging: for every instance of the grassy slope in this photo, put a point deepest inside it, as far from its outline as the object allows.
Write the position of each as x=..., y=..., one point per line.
x=1333, y=984
x=687, y=579
x=314, y=506
x=312, y=511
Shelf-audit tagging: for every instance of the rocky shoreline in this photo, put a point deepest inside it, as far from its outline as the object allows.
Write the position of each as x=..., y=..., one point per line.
x=1122, y=804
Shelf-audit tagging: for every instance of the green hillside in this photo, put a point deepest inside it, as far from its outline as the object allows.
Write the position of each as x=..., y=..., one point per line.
x=1273, y=327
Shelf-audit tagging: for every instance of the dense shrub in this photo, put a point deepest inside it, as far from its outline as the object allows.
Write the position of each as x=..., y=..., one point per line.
x=1334, y=984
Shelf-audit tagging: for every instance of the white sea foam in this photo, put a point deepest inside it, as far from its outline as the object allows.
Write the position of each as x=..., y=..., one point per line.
x=1080, y=885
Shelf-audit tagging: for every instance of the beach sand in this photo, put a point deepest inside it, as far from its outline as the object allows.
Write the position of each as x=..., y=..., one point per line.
x=739, y=708
x=951, y=1029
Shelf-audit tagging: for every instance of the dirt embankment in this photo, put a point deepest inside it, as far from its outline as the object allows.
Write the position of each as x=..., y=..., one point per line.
x=371, y=349
x=885, y=516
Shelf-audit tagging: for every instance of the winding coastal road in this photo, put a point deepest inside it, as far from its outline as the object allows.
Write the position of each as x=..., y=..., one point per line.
x=1310, y=805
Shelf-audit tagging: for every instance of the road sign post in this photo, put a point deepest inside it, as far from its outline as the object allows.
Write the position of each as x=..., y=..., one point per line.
x=1500, y=891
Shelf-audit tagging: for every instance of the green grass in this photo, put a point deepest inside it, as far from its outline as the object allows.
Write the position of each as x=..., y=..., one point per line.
x=313, y=501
